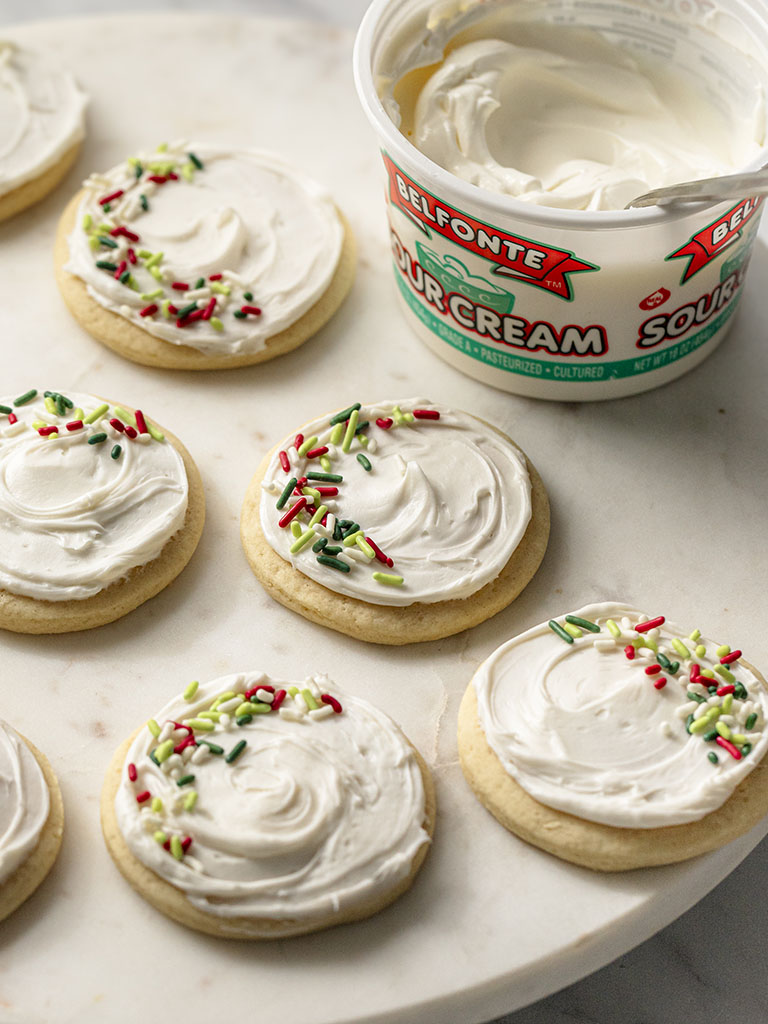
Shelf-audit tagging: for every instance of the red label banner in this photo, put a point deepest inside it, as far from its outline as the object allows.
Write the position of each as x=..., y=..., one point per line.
x=513, y=256
x=708, y=243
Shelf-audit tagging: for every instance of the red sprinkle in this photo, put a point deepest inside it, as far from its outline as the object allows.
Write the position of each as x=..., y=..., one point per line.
x=384, y=423
x=46, y=431
x=132, y=773
x=173, y=176
x=629, y=650
x=425, y=414
x=727, y=745
x=131, y=432
x=377, y=551
x=180, y=286
x=149, y=310
x=173, y=310
x=279, y=698
x=110, y=197
x=283, y=456
x=643, y=627
x=130, y=235
x=12, y=417
x=298, y=441
x=653, y=670
x=196, y=314
x=186, y=842
x=121, y=267
x=215, y=277
x=131, y=255
x=258, y=686
x=75, y=425
x=188, y=741
x=695, y=672
x=723, y=690
x=207, y=313
x=660, y=683
x=115, y=422
x=301, y=482
x=326, y=698
x=728, y=658
x=317, y=452
x=141, y=422
x=293, y=511
x=327, y=492
x=143, y=797
x=159, y=179
x=254, y=310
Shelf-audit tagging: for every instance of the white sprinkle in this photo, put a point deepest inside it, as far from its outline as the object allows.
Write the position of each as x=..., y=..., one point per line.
x=265, y=696
x=300, y=704
x=231, y=704
x=291, y=715
x=604, y=645
x=201, y=753
x=165, y=733
x=666, y=730
x=688, y=709
x=322, y=712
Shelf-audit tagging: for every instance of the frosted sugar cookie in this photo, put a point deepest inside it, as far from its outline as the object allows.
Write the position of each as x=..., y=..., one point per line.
x=42, y=123
x=31, y=819
x=396, y=522
x=255, y=808
x=99, y=510
x=200, y=257
x=617, y=741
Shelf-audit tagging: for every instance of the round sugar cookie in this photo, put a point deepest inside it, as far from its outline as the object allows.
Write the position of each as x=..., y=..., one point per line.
x=31, y=819
x=254, y=808
x=99, y=511
x=203, y=258
x=42, y=125
x=616, y=741
x=405, y=521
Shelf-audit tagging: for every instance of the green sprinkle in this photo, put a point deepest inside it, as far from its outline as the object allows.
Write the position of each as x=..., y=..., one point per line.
x=240, y=314
x=364, y=462
x=164, y=750
x=176, y=848
x=557, y=628
x=87, y=221
x=148, y=296
x=364, y=546
x=613, y=628
x=349, y=436
x=5, y=409
x=576, y=620
x=700, y=651
x=186, y=310
x=196, y=161
x=573, y=631
x=296, y=528
x=220, y=289
x=138, y=170
x=248, y=296
x=318, y=546
x=160, y=837
x=344, y=415
x=153, y=758
x=199, y=283
x=307, y=445
x=309, y=698
x=712, y=735
x=697, y=697
x=235, y=752
x=165, y=308
x=187, y=172
x=350, y=528
x=115, y=453
x=185, y=780
x=190, y=800
x=333, y=563
x=695, y=635
x=213, y=747
x=723, y=729
x=201, y=723
x=153, y=260
x=214, y=716
x=708, y=673
x=106, y=207
x=302, y=541
x=26, y=397
x=97, y=413
x=699, y=725
x=153, y=727
x=156, y=805
x=292, y=691
x=125, y=277
x=750, y=721
x=50, y=405
x=389, y=579
x=259, y=707
x=216, y=324
x=244, y=719
x=331, y=478
x=713, y=757
x=723, y=650
x=746, y=749
x=726, y=673
x=740, y=692
x=319, y=513
x=738, y=737
x=351, y=537
x=144, y=201
x=154, y=432
x=222, y=698
x=727, y=703
x=333, y=549
x=663, y=660
x=680, y=648
x=97, y=438
x=191, y=690
x=109, y=242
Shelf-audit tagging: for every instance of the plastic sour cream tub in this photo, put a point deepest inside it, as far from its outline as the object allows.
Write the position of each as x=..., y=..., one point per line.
x=535, y=297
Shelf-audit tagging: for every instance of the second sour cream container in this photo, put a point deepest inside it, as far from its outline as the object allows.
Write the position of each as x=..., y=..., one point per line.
x=566, y=304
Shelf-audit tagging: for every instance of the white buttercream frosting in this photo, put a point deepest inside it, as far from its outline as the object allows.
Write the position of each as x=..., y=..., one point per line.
x=24, y=801
x=319, y=812
x=42, y=114
x=562, y=117
x=584, y=729
x=448, y=501
x=76, y=516
x=268, y=235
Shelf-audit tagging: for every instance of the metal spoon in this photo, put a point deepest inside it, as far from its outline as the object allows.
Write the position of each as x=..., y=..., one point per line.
x=706, y=190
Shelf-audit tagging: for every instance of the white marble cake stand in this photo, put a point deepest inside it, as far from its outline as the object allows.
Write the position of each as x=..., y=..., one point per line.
x=660, y=499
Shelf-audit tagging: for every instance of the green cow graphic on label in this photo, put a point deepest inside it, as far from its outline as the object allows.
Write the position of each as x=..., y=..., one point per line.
x=454, y=276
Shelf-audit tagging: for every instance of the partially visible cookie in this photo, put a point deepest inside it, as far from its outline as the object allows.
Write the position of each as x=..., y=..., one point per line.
x=42, y=124
x=31, y=819
x=254, y=808
x=396, y=522
x=99, y=511
x=616, y=741
x=200, y=257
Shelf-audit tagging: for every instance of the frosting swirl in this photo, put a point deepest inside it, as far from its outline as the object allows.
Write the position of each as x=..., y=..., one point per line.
x=72, y=518
x=438, y=500
x=294, y=814
x=24, y=801
x=620, y=726
x=42, y=115
x=208, y=247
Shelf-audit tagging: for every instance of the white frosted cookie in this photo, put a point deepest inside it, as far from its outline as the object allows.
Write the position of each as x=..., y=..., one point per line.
x=42, y=123
x=203, y=257
x=31, y=819
x=99, y=510
x=616, y=741
x=396, y=522
x=255, y=808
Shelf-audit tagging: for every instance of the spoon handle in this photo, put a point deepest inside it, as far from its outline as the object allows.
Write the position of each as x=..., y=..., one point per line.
x=706, y=190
